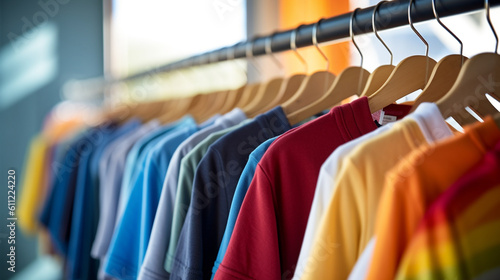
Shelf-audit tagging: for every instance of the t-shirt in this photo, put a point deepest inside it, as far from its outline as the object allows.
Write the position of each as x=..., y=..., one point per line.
x=230, y=119
x=58, y=208
x=412, y=186
x=84, y=218
x=110, y=179
x=138, y=153
x=213, y=188
x=324, y=188
x=153, y=265
x=458, y=236
x=266, y=240
x=239, y=194
x=131, y=237
x=30, y=191
x=348, y=220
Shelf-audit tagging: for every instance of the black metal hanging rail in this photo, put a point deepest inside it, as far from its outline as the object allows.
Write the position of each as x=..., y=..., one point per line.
x=390, y=15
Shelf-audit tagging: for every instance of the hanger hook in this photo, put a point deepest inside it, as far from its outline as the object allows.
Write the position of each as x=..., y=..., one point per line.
x=230, y=53
x=269, y=51
x=315, y=42
x=415, y=30
x=230, y=56
x=375, y=29
x=293, y=46
x=212, y=58
x=249, y=50
x=488, y=18
x=249, y=56
x=434, y=10
x=351, y=33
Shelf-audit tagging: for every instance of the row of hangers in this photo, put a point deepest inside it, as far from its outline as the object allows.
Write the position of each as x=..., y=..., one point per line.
x=454, y=83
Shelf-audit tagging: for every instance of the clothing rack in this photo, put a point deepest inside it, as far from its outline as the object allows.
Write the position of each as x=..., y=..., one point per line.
x=390, y=15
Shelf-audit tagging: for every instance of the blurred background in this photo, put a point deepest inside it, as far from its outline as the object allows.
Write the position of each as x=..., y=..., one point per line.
x=46, y=46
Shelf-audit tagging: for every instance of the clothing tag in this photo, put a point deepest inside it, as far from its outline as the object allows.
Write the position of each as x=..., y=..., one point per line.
x=385, y=119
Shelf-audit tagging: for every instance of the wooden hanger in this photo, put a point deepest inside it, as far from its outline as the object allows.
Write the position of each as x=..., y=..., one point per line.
x=266, y=90
x=477, y=77
x=234, y=96
x=248, y=94
x=185, y=106
x=238, y=95
x=380, y=75
x=313, y=86
x=231, y=98
x=441, y=80
x=376, y=79
x=266, y=94
x=178, y=107
x=470, y=87
x=168, y=110
x=351, y=81
x=445, y=72
x=125, y=112
x=269, y=91
x=220, y=101
x=147, y=111
x=411, y=74
x=291, y=84
x=288, y=88
x=209, y=107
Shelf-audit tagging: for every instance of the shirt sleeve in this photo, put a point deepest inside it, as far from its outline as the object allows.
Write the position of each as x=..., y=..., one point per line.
x=253, y=251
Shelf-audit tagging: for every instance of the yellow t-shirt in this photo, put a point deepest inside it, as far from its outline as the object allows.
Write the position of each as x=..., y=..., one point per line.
x=348, y=223
x=32, y=183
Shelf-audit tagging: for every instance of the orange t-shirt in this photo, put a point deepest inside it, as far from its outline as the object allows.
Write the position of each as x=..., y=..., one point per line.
x=413, y=184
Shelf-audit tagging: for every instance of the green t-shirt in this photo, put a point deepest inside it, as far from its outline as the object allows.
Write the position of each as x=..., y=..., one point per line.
x=184, y=187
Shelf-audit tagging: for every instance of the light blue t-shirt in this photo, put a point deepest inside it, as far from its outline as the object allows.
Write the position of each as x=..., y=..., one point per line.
x=138, y=153
x=241, y=190
x=111, y=169
x=131, y=236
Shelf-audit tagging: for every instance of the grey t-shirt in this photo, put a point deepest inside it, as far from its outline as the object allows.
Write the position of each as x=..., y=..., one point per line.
x=152, y=268
x=111, y=168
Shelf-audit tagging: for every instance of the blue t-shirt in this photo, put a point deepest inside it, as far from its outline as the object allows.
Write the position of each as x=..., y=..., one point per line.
x=137, y=154
x=214, y=184
x=85, y=214
x=239, y=195
x=57, y=211
x=129, y=243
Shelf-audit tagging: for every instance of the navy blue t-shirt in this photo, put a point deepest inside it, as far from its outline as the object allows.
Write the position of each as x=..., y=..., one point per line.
x=213, y=188
x=58, y=208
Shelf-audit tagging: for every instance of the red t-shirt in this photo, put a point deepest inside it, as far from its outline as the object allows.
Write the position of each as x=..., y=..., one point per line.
x=270, y=227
